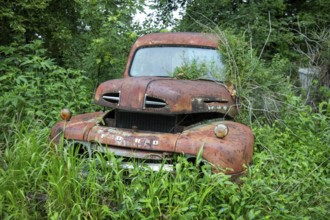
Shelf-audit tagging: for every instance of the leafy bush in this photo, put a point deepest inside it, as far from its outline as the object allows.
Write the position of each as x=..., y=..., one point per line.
x=197, y=69
x=261, y=86
x=289, y=177
x=192, y=70
x=291, y=162
x=34, y=88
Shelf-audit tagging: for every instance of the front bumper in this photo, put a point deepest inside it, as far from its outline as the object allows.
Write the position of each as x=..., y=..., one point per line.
x=231, y=154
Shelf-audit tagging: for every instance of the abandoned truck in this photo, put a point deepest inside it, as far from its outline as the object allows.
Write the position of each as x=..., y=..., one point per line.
x=151, y=114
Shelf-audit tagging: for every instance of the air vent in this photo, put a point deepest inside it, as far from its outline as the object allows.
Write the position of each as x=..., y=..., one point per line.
x=113, y=97
x=151, y=102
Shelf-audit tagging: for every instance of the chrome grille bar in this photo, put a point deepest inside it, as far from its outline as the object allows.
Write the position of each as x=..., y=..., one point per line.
x=112, y=98
x=155, y=103
x=152, y=102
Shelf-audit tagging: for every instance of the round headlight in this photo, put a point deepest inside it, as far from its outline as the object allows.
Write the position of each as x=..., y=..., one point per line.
x=221, y=130
x=66, y=114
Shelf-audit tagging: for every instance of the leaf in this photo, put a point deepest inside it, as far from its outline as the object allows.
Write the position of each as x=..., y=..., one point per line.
x=20, y=79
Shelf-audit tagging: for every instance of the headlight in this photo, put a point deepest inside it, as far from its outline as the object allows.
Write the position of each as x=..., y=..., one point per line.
x=221, y=130
x=66, y=114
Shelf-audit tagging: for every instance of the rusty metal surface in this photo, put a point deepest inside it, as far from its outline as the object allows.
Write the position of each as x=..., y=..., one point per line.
x=172, y=97
x=182, y=38
x=232, y=152
x=128, y=138
x=77, y=128
x=181, y=96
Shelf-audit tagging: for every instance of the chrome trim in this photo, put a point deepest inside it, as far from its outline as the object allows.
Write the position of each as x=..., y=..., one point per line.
x=113, y=98
x=150, y=104
x=155, y=103
x=156, y=167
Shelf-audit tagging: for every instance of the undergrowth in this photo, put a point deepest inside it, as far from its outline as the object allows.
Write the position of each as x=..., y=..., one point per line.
x=289, y=179
x=261, y=86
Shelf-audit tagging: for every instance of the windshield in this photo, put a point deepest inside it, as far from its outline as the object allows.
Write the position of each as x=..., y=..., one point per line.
x=166, y=61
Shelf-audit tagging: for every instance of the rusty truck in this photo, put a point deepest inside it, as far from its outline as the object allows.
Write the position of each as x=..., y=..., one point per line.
x=151, y=114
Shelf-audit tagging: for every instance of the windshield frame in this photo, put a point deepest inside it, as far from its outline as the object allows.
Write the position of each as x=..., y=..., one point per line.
x=174, y=46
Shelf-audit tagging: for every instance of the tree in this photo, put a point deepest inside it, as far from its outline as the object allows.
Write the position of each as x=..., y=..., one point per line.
x=54, y=22
x=104, y=42
x=93, y=36
x=297, y=30
x=271, y=26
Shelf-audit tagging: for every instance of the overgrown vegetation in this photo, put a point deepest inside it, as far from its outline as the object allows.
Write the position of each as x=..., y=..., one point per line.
x=52, y=54
x=288, y=179
x=262, y=87
x=193, y=70
x=34, y=89
x=190, y=71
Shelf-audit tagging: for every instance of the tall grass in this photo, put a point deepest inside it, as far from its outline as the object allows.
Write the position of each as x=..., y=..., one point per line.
x=288, y=179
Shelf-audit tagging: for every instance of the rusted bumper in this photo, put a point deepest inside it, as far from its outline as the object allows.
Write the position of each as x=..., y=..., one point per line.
x=231, y=153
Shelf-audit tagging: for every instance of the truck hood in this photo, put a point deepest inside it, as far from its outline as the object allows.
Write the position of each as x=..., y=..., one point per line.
x=166, y=96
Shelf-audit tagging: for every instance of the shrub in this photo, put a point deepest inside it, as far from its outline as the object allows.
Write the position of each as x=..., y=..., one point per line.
x=34, y=88
x=289, y=177
x=261, y=86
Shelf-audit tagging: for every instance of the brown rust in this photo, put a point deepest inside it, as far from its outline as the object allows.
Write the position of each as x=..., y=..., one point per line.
x=181, y=96
x=193, y=107
x=151, y=141
x=232, y=152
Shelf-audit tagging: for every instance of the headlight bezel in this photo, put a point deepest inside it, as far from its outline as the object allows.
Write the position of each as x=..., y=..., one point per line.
x=66, y=114
x=221, y=130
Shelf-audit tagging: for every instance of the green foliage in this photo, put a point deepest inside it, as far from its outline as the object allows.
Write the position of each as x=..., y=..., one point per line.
x=262, y=87
x=266, y=23
x=19, y=19
x=256, y=19
x=55, y=22
x=34, y=88
x=315, y=55
x=289, y=179
x=105, y=38
x=294, y=154
x=192, y=70
x=93, y=36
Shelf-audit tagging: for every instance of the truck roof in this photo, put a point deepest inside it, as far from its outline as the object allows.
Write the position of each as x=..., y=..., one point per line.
x=178, y=38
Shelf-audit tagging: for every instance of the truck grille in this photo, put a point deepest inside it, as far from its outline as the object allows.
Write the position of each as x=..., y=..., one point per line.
x=146, y=122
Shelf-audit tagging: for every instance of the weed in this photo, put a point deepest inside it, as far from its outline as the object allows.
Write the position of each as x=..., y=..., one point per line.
x=289, y=178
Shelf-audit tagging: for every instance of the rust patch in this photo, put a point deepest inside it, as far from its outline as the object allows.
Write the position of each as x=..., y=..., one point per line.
x=133, y=91
x=234, y=151
x=157, y=117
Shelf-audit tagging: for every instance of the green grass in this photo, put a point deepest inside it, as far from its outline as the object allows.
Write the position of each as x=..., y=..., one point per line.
x=289, y=179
